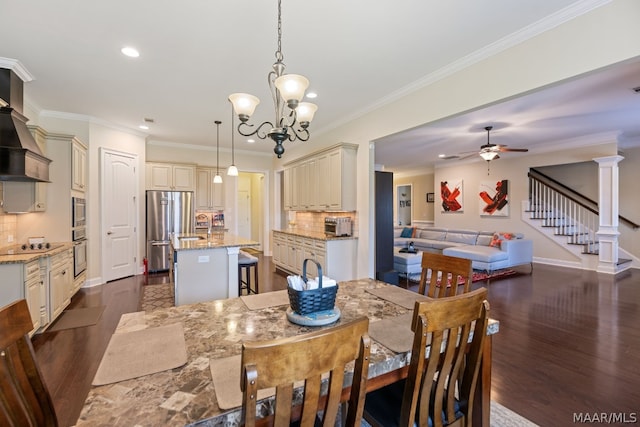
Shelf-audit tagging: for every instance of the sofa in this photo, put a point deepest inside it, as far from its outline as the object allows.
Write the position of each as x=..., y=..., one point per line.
x=488, y=250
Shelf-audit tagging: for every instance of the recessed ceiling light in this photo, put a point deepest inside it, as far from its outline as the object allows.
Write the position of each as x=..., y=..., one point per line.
x=131, y=52
x=312, y=95
x=144, y=127
x=442, y=155
x=251, y=141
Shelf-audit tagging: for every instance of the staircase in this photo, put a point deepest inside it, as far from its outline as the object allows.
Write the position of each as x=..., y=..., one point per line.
x=567, y=218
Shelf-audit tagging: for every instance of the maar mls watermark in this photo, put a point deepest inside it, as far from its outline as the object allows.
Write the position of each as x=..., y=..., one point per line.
x=605, y=417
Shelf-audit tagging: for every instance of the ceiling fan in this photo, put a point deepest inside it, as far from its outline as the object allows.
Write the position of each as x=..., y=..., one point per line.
x=490, y=151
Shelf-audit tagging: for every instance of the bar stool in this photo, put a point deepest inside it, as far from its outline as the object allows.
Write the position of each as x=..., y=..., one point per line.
x=245, y=263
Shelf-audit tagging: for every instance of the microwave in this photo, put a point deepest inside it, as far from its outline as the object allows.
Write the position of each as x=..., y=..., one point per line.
x=78, y=212
x=338, y=226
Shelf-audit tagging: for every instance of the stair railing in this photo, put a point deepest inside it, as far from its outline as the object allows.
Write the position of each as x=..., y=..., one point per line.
x=567, y=211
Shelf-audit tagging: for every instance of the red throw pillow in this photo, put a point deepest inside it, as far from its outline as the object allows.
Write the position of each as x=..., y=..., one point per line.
x=496, y=240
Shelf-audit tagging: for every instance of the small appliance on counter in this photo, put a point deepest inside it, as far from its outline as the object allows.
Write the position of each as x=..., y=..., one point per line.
x=338, y=226
x=207, y=220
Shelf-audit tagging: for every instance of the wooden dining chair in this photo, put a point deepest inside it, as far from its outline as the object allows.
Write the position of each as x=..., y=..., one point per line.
x=436, y=266
x=440, y=386
x=24, y=398
x=282, y=362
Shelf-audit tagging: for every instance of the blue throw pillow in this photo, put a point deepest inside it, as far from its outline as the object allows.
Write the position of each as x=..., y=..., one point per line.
x=406, y=232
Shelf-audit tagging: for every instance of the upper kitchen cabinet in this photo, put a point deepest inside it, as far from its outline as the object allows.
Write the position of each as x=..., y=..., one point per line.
x=322, y=181
x=78, y=166
x=208, y=195
x=170, y=177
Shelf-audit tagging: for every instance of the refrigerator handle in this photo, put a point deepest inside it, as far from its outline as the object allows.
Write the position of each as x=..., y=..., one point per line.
x=159, y=243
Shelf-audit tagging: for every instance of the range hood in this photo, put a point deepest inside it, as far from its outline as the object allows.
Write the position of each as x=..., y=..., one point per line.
x=20, y=156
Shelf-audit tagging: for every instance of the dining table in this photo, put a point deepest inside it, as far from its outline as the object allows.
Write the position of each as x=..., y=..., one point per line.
x=214, y=332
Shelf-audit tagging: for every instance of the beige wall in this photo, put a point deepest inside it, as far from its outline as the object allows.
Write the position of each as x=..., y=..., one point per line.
x=421, y=185
x=515, y=170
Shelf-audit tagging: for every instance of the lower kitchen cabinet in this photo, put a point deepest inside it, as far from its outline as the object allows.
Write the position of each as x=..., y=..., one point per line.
x=25, y=281
x=60, y=281
x=337, y=257
x=46, y=283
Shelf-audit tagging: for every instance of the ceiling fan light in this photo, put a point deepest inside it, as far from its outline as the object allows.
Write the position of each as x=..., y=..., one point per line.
x=488, y=155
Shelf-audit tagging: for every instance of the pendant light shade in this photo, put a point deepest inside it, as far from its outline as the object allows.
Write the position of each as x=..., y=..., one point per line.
x=217, y=179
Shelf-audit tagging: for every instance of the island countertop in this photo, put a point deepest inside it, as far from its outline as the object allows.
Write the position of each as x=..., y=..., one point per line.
x=194, y=241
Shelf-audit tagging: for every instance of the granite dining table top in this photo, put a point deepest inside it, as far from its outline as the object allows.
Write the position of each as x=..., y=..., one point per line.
x=215, y=330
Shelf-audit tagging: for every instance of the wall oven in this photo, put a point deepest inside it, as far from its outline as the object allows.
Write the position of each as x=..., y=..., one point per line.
x=79, y=234
x=79, y=257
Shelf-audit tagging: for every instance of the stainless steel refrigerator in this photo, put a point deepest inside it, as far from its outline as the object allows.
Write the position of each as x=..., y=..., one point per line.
x=168, y=212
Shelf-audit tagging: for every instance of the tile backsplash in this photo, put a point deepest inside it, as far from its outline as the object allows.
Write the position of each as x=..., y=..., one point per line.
x=8, y=227
x=314, y=221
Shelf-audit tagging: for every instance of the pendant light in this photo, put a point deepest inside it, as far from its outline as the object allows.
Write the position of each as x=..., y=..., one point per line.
x=233, y=170
x=217, y=179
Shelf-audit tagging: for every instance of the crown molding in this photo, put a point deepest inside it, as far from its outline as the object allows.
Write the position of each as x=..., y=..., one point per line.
x=17, y=67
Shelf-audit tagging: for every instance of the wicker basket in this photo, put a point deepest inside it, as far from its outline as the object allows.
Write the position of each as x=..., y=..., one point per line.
x=313, y=300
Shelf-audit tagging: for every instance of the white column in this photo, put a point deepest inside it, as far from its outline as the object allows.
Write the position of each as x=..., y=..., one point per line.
x=608, y=216
x=232, y=259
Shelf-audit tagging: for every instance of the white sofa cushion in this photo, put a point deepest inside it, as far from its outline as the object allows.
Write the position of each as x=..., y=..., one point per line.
x=484, y=238
x=468, y=237
x=477, y=253
x=432, y=234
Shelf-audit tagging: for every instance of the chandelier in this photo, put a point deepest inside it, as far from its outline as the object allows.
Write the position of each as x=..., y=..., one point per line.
x=292, y=117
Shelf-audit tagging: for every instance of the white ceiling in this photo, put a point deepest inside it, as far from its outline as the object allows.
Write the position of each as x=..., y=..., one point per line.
x=356, y=54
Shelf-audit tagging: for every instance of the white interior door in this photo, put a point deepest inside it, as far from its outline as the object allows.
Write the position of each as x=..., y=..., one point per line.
x=244, y=214
x=119, y=206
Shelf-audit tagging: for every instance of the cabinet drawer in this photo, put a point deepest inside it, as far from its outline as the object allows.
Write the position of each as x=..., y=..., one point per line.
x=32, y=271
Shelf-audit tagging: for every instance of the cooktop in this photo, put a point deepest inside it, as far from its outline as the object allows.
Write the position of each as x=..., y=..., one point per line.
x=29, y=249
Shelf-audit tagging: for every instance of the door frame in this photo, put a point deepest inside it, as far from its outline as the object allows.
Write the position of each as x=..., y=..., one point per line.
x=406, y=198
x=136, y=221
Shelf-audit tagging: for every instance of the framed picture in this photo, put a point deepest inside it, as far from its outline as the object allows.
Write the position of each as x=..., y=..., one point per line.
x=451, y=195
x=430, y=197
x=494, y=198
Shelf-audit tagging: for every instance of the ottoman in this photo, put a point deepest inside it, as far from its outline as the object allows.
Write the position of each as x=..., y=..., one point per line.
x=407, y=263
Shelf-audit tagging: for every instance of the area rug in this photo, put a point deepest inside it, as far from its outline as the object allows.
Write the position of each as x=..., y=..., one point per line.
x=157, y=296
x=138, y=353
x=478, y=276
x=77, y=318
x=500, y=417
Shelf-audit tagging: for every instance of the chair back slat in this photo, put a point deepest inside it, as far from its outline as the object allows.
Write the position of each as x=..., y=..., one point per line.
x=24, y=398
x=283, y=362
x=444, y=275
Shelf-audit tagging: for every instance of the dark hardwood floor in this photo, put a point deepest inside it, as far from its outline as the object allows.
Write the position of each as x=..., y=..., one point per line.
x=569, y=342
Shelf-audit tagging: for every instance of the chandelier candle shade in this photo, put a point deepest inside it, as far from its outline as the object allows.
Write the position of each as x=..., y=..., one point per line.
x=292, y=117
x=217, y=179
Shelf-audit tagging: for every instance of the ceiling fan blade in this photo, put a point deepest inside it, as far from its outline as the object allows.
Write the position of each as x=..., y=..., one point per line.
x=469, y=155
x=520, y=150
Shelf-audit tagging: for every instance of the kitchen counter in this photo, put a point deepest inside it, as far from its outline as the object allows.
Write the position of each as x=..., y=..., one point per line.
x=206, y=268
x=28, y=256
x=193, y=241
x=303, y=232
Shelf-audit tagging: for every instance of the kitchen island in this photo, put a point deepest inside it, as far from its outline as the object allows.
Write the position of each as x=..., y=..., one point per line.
x=205, y=267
